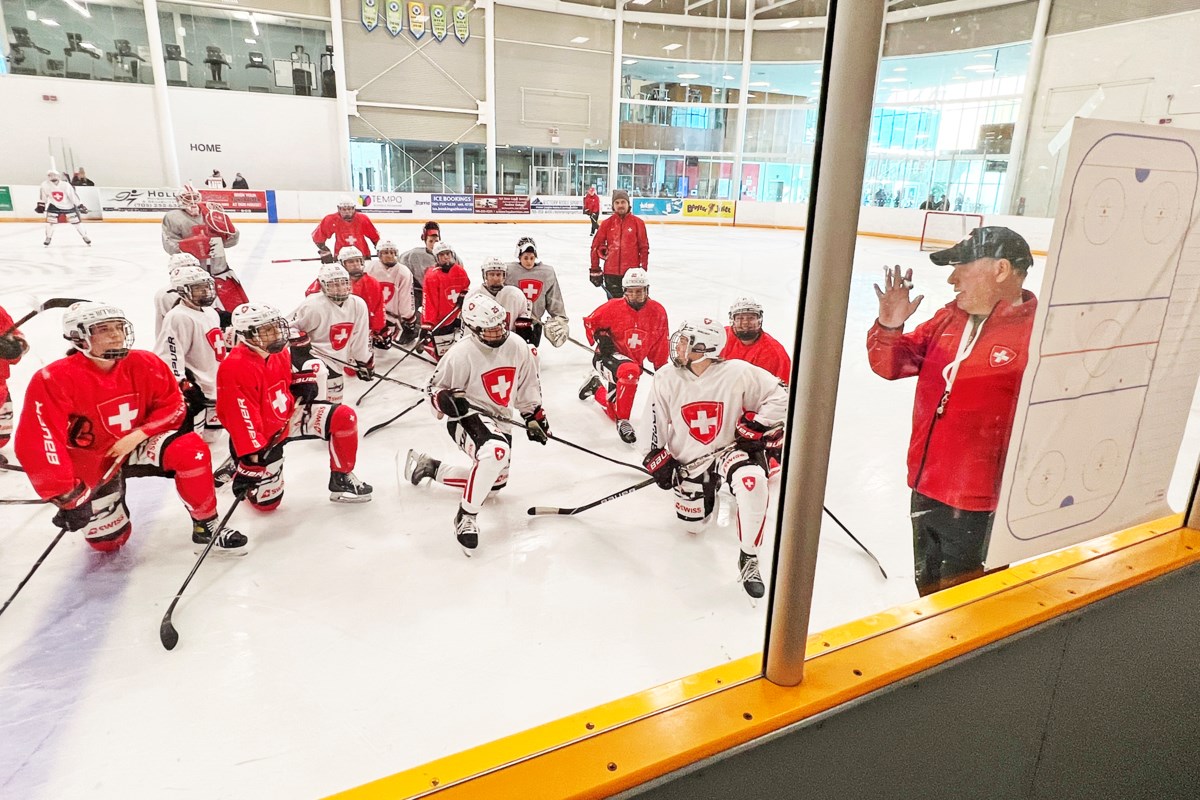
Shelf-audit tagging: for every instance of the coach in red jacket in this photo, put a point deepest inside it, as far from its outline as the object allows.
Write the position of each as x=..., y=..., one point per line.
x=622, y=243
x=968, y=360
x=591, y=208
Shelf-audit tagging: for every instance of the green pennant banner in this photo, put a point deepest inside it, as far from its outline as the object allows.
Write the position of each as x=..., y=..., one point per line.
x=394, y=17
x=462, y=26
x=416, y=19
x=370, y=15
x=437, y=21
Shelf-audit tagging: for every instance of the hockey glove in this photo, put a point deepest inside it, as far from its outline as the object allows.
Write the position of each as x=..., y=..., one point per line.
x=83, y=209
x=193, y=397
x=557, y=331
x=408, y=330
x=663, y=467
x=604, y=343
x=749, y=435
x=326, y=256
x=73, y=514
x=451, y=402
x=365, y=370
x=537, y=427
x=528, y=330
x=304, y=386
x=596, y=276
x=40, y=208
x=246, y=477
x=382, y=339
x=11, y=348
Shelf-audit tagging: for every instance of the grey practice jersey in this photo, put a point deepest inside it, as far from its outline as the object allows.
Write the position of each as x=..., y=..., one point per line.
x=177, y=225
x=540, y=285
x=509, y=298
x=418, y=260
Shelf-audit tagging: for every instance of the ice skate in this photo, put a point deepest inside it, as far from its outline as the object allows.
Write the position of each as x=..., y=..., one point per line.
x=231, y=542
x=345, y=487
x=419, y=466
x=224, y=473
x=87, y=241
x=466, y=531
x=625, y=431
x=751, y=578
x=46, y=243
x=589, y=389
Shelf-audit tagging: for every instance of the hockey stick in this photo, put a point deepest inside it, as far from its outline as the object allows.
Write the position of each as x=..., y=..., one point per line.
x=857, y=542
x=53, y=302
x=374, y=428
x=416, y=346
x=33, y=501
x=166, y=630
x=293, y=260
x=11, y=467
x=592, y=350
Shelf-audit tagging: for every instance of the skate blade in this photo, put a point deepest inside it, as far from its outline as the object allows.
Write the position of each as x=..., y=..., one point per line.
x=467, y=551
x=339, y=497
x=222, y=552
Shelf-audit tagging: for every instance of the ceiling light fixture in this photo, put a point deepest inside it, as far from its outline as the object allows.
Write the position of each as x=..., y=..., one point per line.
x=250, y=41
x=672, y=46
x=894, y=80
x=629, y=61
x=790, y=23
x=53, y=23
x=579, y=40
x=254, y=25
x=899, y=69
x=759, y=83
x=687, y=76
x=83, y=12
x=728, y=78
x=31, y=16
x=641, y=2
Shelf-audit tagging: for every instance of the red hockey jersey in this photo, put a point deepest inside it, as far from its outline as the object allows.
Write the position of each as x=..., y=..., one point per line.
x=253, y=398
x=5, y=365
x=442, y=291
x=370, y=290
x=766, y=352
x=355, y=232
x=640, y=334
x=74, y=412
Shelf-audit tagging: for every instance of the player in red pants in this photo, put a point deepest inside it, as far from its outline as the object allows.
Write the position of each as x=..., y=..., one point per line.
x=99, y=406
x=626, y=331
x=12, y=347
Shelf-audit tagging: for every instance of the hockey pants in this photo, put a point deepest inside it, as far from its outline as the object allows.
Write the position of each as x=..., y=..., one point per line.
x=746, y=476
x=620, y=376
x=490, y=450
x=54, y=216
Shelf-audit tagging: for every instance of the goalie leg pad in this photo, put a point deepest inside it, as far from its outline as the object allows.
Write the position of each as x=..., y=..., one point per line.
x=229, y=291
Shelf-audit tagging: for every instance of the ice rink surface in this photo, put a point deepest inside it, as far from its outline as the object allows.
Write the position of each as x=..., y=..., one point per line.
x=355, y=641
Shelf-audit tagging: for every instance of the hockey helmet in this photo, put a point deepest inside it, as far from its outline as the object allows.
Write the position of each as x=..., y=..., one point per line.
x=526, y=244
x=194, y=285
x=261, y=326
x=81, y=319
x=701, y=336
x=335, y=282
x=491, y=264
x=745, y=319
x=182, y=260
x=487, y=319
x=53, y=175
x=386, y=246
x=442, y=247
x=346, y=201
x=635, y=286
x=349, y=254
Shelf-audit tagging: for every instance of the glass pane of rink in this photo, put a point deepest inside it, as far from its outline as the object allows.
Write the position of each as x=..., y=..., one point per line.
x=353, y=641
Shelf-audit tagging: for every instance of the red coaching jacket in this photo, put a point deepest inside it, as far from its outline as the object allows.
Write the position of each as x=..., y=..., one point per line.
x=622, y=243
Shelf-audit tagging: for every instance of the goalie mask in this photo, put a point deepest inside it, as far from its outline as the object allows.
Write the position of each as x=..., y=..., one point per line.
x=696, y=339
x=335, y=282
x=745, y=319
x=351, y=259
x=486, y=319
x=261, y=326
x=194, y=285
x=189, y=199
x=99, y=330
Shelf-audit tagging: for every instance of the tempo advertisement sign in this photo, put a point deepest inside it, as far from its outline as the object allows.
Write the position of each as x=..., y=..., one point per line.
x=388, y=202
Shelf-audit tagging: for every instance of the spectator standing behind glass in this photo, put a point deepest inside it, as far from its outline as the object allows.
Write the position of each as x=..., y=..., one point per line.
x=239, y=182
x=215, y=181
x=621, y=241
x=968, y=360
x=81, y=179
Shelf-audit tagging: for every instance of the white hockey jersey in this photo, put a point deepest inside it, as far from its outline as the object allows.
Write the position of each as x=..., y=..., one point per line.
x=341, y=331
x=540, y=285
x=396, y=282
x=164, y=300
x=493, y=378
x=692, y=416
x=191, y=338
x=510, y=299
x=59, y=197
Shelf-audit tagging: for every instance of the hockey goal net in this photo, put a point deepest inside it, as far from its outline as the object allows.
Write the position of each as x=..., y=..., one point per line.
x=944, y=228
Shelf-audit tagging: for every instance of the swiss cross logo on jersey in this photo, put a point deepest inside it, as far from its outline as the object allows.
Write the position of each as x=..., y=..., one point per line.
x=531, y=288
x=703, y=419
x=388, y=292
x=1001, y=355
x=279, y=399
x=498, y=383
x=452, y=296
x=57, y=197
x=749, y=481
x=339, y=334
x=120, y=414
x=216, y=341
x=499, y=453
x=635, y=339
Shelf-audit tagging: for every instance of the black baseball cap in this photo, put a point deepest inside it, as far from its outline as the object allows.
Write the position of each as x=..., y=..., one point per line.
x=994, y=241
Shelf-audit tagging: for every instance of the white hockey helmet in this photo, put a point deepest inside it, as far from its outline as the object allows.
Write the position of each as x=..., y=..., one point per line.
x=745, y=305
x=346, y=201
x=485, y=318
x=349, y=253
x=526, y=244
x=492, y=264
x=80, y=318
x=442, y=247
x=701, y=336
x=746, y=330
x=636, y=278
x=53, y=175
x=194, y=284
x=261, y=326
x=188, y=196
x=182, y=260
x=335, y=282
x=385, y=245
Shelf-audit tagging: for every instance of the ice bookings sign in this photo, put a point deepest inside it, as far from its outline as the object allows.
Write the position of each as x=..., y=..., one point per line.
x=452, y=204
x=121, y=200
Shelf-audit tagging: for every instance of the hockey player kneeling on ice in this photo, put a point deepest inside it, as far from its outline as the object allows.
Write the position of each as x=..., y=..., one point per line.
x=446, y=286
x=204, y=230
x=264, y=404
x=396, y=290
x=538, y=281
x=493, y=371
x=168, y=297
x=12, y=347
x=102, y=404
x=364, y=286
x=192, y=345
x=333, y=324
x=518, y=310
x=626, y=331
x=745, y=340
x=59, y=203
x=702, y=406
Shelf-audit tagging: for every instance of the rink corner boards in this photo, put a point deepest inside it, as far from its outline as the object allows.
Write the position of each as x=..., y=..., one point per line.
x=619, y=745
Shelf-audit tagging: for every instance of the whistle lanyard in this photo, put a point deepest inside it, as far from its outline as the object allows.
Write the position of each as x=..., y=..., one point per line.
x=966, y=344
